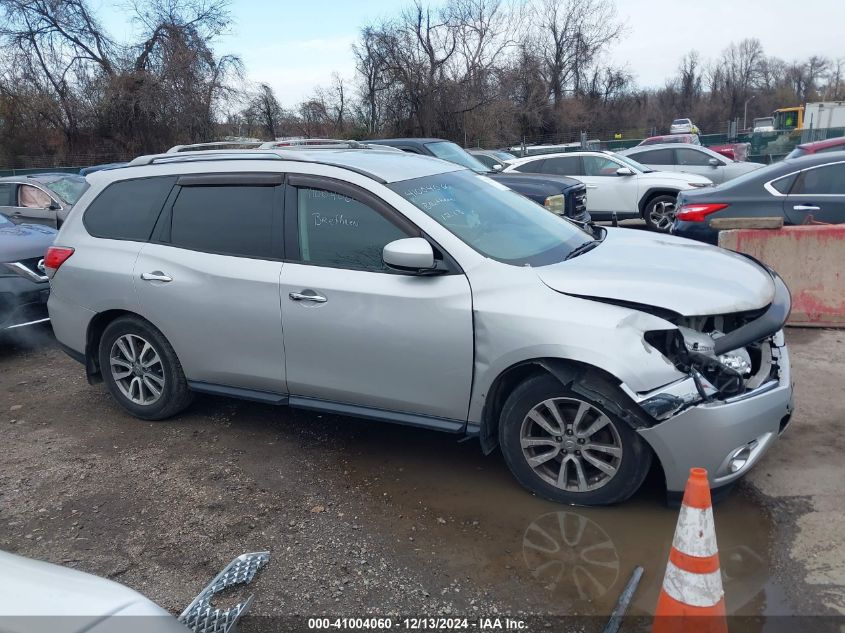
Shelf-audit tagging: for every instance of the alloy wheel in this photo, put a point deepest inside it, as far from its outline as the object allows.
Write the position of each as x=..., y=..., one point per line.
x=137, y=369
x=662, y=214
x=571, y=444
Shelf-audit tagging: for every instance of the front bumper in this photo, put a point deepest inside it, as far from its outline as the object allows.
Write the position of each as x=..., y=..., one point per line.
x=22, y=303
x=709, y=434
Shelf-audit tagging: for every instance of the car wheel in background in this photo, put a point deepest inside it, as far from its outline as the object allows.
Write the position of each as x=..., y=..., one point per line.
x=566, y=447
x=659, y=213
x=141, y=370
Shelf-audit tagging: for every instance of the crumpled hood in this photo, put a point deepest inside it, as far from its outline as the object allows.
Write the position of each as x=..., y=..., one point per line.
x=664, y=271
x=24, y=241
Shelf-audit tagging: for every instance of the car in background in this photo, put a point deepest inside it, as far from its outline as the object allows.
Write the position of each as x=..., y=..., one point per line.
x=672, y=138
x=763, y=124
x=415, y=291
x=24, y=286
x=828, y=145
x=559, y=194
x=40, y=198
x=683, y=126
x=691, y=159
x=493, y=158
x=800, y=190
x=617, y=186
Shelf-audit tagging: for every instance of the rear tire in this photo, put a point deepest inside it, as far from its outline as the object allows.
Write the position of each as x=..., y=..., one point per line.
x=141, y=370
x=659, y=213
x=567, y=447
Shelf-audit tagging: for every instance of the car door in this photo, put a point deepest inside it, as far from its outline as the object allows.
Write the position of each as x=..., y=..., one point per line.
x=209, y=280
x=609, y=192
x=29, y=203
x=694, y=161
x=817, y=194
x=360, y=338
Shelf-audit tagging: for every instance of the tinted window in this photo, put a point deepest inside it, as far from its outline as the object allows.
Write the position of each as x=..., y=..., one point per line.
x=7, y=194
x=563, y=166
x=456, y=154
x=230, y=219
x=655, y=157
x=337, y=231
x=826, y=180
x=692, y=158
x=531, y=167
x=128, y=210
x=600, y=166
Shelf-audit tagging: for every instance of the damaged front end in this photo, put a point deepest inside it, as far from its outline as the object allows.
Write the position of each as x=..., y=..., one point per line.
x=724, y=356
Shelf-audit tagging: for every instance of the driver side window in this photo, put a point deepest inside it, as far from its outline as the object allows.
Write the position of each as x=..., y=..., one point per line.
x=600, y=166
x=33, y=198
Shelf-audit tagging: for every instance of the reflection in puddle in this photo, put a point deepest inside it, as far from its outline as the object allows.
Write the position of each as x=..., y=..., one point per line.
x=572, y=554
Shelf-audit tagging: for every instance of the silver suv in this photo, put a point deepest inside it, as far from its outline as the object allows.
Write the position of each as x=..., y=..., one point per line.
x=407, y=289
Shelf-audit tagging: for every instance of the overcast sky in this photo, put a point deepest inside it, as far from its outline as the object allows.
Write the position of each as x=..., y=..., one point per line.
x=295, y=45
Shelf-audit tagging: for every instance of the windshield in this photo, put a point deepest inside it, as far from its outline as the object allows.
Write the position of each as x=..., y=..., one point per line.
x=68, y=188
x=503, y=155
x=796, y=153
x=679, y=122
x=765, y=122
x=630, y=162
x=492, y=219
x=455, y=154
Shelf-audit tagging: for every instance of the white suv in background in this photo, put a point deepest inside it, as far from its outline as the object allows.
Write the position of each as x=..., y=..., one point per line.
x=617, y=184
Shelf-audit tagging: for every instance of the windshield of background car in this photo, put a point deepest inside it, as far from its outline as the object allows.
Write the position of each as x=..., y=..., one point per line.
x=796, y=153
x=69, y=189
x=492, y=219
x=455, y=154
x=503, y=155
x=680, y=122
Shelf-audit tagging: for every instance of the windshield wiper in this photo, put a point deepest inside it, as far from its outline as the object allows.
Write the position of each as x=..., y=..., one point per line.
x=580, y=250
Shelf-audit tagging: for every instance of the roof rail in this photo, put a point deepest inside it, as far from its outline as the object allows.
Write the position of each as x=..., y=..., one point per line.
x=325, y=143
x=242, y=144
x=199, y=155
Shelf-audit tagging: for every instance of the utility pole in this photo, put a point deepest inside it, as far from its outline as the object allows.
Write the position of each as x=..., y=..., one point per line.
x=745, y=112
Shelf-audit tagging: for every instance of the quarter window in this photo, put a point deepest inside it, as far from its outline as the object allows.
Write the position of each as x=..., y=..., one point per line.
x=226, y=219
x=128, y=210
x=531, y=167
x=782, y=185
x=827, y=180
x=340, y=232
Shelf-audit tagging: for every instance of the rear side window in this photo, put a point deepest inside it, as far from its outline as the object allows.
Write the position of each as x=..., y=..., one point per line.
x=827, y=180
x=655, y=157
x=128, y=210
x=563, y=166
x=226, y=219
x=693, y=158
x=7, y=194
x=531, y=167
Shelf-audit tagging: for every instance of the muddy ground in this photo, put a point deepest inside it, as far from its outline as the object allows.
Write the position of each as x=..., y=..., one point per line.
x=362, y=517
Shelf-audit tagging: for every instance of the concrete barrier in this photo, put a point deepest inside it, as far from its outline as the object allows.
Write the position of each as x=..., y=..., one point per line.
x=811, y=260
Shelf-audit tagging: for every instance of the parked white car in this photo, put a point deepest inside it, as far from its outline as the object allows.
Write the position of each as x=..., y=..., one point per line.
x=683, y=126
x=617, y=184
x=690, y=159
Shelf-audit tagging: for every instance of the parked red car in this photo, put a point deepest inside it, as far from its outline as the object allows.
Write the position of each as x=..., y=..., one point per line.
x=828, y=145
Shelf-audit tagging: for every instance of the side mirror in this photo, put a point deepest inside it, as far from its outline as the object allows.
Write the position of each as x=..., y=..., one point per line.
x=411, y=254
x=624, y=171
x=498, y=167
x=713, y=162
x=54, y=206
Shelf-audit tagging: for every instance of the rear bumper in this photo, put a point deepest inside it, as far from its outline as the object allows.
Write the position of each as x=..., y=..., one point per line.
x=709, y=434
x=698, y=231
x=70, y=324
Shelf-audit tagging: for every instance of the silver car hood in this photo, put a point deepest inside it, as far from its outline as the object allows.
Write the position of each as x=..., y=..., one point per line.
x=664, y=271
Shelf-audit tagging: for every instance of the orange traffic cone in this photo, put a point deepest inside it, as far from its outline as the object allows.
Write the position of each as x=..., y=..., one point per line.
x=692, y=599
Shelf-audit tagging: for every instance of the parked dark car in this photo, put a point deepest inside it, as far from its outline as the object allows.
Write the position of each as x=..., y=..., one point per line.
x=24, y=287
x=40, y=198
x=559, y=194
x=800, y=190
x=495, y=159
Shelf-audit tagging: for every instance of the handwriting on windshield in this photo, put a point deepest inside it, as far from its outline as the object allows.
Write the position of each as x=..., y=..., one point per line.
x=334, y=220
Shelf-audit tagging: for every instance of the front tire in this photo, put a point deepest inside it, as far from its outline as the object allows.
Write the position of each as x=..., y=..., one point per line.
x=659, y=213
x=567, y=447
x=141, y=370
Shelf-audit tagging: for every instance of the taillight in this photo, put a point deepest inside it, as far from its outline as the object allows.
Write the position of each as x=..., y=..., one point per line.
x=55, y=257
x=697, y=212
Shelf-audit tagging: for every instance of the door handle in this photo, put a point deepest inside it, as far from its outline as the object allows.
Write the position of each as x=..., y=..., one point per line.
x=806, y=207
x=156, y=275
x=298, y=296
